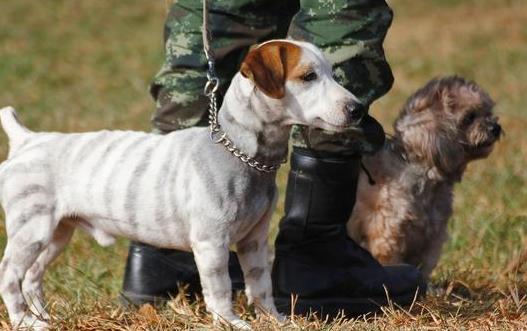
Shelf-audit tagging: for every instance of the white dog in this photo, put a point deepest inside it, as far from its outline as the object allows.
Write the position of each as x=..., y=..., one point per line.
x=178, y=191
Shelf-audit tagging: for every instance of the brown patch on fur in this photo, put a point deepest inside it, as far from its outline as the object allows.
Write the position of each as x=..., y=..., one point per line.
x=270, y=65
x=298, y=72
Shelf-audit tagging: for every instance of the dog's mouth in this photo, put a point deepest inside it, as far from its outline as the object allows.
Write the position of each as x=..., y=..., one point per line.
x=482, y=149
x=325, y=125
x=486, y=144
x=319, y=124
x=490, y=141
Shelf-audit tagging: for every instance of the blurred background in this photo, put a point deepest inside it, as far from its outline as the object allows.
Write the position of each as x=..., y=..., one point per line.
x=86, y=65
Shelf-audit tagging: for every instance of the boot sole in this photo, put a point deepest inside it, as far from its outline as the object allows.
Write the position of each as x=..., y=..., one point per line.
x=336, y=307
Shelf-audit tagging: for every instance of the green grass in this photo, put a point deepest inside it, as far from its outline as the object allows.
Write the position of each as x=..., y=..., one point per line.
x=86, y=65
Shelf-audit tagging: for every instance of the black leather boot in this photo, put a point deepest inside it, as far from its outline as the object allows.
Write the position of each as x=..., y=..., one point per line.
x=152, y=274
x=316, y=260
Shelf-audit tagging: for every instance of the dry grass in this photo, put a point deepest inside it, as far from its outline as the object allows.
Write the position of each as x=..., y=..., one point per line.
x=86, y=65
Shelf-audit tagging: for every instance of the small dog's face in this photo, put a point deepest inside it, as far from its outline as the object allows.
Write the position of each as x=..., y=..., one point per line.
x=294, y=80
x=448, y=123
x=478, y=128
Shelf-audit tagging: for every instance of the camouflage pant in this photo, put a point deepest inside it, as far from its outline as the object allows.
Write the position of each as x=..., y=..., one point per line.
x=349, y=32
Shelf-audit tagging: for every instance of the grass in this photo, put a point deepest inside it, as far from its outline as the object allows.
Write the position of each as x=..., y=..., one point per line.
x=86, y=65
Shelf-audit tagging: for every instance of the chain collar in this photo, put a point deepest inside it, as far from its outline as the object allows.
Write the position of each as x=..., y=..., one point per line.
x=218, y=136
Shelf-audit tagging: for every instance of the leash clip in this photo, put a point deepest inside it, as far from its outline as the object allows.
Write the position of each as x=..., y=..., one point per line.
x=211, y=87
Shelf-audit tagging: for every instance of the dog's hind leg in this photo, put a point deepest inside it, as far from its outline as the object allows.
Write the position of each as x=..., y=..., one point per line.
x=212, y=258
x=34, y=232
x=32, y=284
x=253, y=256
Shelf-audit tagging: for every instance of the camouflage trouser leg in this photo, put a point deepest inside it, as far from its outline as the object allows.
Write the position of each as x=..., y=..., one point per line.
x=350, y=32
x=235, y=26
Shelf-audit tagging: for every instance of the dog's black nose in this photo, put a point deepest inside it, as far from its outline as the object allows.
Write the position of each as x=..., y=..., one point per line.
x=496, y=129
x=355, y=111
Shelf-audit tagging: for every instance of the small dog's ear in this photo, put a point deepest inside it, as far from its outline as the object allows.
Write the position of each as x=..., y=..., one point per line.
x=446, y=153
x=267, y=66
x=425, y=139
x=418, y=103
x=446, y=99
x=431, y=95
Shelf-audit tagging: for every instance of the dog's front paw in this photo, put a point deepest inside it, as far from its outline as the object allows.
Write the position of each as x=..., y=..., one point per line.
x=281, y=318
x=273, y=313
x=239, y=324
x=31, y=322
x=232, y=321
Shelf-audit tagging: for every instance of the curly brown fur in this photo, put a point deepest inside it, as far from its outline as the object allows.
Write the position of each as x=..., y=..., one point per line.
x=403, y=216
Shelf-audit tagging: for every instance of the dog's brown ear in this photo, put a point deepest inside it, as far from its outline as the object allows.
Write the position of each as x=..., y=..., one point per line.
x=432, y=96
x=428, y=137
x=267, y=66
x=447, y=99
x=445, y=152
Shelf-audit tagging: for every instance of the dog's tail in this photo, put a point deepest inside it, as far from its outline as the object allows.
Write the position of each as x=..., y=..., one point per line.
x=16, y=132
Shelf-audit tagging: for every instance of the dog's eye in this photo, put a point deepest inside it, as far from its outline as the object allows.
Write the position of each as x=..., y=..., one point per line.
x=467, y=120
x=309, y=76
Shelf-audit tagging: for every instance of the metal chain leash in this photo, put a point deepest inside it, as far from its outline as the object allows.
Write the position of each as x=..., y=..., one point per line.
x=217, y=135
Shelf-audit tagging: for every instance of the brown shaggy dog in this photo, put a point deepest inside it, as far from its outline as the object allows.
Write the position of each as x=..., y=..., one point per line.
x=403, y=216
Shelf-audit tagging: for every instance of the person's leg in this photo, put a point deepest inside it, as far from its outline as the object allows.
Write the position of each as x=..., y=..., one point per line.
x=235, y=26
x=315, y=259
x=153, y=274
